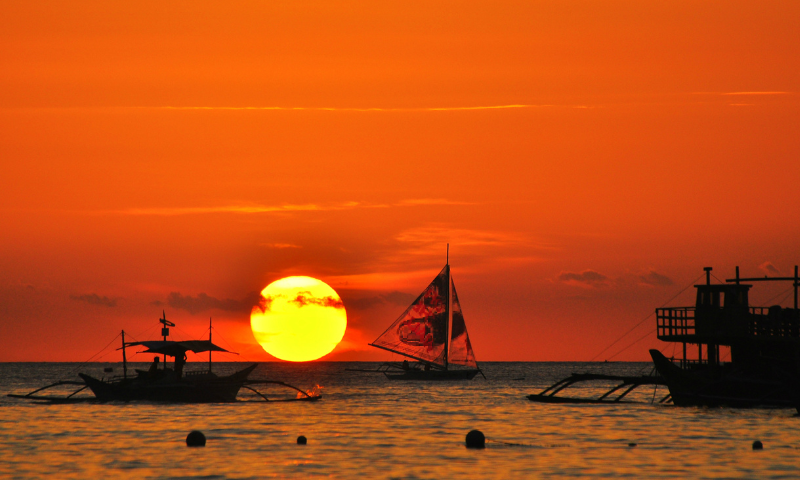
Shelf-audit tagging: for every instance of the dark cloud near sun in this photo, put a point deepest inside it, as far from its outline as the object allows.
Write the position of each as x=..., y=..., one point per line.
x=306, y=298
x=95, y=299
x=655, y=279
x=392, y=298
x=769, y=269
x=586, y=277
x=203, y=302
x=592, y=278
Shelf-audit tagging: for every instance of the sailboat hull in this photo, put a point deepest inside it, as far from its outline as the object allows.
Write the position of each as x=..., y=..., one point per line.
x=432, y=375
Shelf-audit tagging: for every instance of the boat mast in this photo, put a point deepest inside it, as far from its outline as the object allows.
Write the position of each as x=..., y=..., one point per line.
x=165, y=331
x=449, y=310
x=124, y=359
x=209, y=344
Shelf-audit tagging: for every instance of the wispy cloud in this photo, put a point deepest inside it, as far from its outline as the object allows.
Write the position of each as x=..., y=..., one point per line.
x=584, y=278
x=769, y=269
x=280, y=246
x=95, y=299
x=592, y=278
x=204, y=302
x=300, y=299
x=655, y=279
x=430, y=201
x=370, y=109
x=287, y=208
x=391, y=298
x=744, y=93
x=244, y=209
x=755, y=93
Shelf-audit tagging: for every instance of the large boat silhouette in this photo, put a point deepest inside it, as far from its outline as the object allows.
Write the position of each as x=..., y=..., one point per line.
x=764, y=345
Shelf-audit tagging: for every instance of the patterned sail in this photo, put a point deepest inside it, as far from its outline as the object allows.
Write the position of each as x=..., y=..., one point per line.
x=421, y=331
x=460, y=347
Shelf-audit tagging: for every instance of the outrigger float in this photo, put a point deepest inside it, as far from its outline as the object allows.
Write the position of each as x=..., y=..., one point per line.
x=168, y=384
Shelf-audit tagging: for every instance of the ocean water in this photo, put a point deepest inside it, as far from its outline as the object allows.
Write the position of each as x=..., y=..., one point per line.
x=369, y=427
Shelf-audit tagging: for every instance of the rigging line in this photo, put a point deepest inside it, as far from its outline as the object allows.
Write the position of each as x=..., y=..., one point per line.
x=645, y=319
x=634, y=343
x=717, y=278
x=785, y=294
x=80, y=365
x=228, y=344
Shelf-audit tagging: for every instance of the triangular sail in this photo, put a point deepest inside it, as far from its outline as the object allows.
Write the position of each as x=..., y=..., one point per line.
x=460, y=347
x=421, y=331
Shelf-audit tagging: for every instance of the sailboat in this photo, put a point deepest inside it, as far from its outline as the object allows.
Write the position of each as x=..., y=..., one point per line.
x=432, y=333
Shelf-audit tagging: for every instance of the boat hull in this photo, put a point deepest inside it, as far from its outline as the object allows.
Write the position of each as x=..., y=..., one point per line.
x=432, y=375
x=206, y=389
x=718, y=386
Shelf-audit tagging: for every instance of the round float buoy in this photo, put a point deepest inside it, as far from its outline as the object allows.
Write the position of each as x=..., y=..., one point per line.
x=757, y=445
x=195, y=439
x=302, y=440
x=475, y=439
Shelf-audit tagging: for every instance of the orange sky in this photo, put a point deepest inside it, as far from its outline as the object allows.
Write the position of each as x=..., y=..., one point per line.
x=181, y=156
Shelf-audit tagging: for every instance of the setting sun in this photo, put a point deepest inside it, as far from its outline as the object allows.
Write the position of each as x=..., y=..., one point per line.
x=299, y=319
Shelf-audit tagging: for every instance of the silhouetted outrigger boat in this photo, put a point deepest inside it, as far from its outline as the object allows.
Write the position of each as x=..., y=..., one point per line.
x=432, y=333
x=764, y=343
x=168, y=384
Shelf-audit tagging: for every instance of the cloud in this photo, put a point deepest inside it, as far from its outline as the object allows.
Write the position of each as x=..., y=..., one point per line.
x=172, y=211
x=414, y=202
x=307, y=298
x=204, y=302
x=392, y=298
x=288, y=208
x=374, y=109
x=280, y=246
x=592, y=278
x=655, y=279
x=301, y=299
x=586, y=277
x=95, y=299
x=764, y=92
x=769, y=268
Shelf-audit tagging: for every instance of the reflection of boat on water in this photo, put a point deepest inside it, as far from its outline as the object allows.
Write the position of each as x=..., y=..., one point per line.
x=432, y=333
x=764, y=344
x=163, y=384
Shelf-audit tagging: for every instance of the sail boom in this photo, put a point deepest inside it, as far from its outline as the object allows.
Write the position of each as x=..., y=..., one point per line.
x=434, y=364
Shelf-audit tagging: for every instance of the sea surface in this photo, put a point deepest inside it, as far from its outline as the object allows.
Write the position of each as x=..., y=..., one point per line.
x=366, y=426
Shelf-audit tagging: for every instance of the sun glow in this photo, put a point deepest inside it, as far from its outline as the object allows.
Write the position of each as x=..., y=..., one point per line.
x=299, y=319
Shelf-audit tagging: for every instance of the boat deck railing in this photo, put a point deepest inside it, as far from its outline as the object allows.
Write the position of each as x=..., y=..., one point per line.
x=675, y=321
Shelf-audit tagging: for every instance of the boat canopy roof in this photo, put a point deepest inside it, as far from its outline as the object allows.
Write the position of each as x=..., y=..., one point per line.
x=172, y=349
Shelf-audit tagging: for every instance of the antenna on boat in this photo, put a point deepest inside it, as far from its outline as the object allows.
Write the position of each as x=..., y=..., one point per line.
x=708, y=274
x=124, y=359
x=165, y=331
x=448, y=255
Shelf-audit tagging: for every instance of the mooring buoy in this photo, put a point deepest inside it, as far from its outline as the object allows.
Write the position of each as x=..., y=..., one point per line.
x=757, y=445
x=302, y=440
x=195, y=439
x=475, y=439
